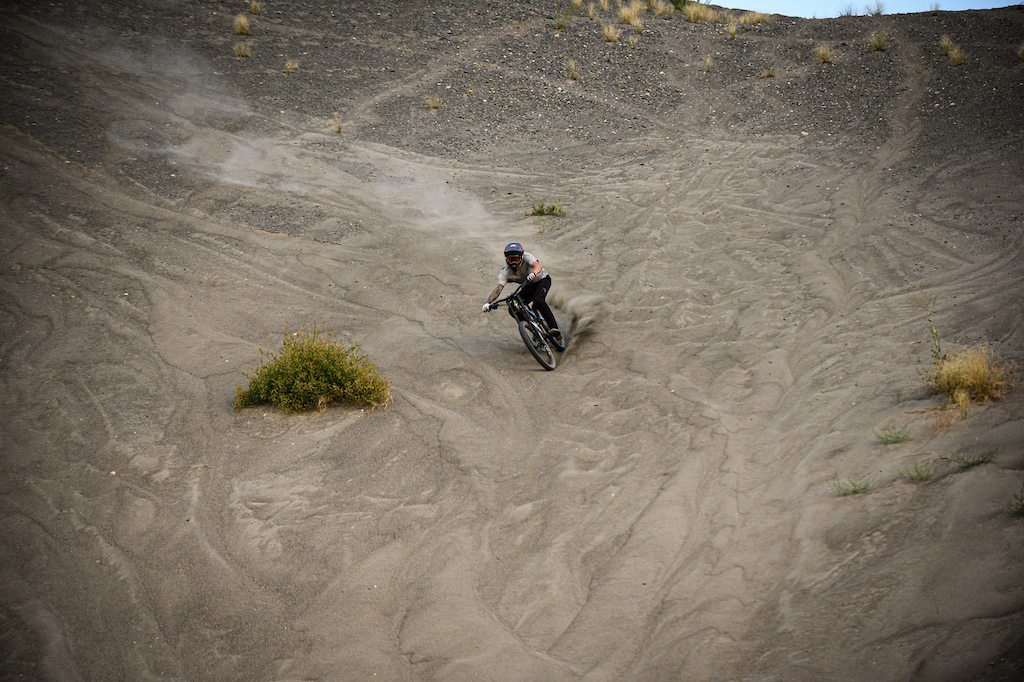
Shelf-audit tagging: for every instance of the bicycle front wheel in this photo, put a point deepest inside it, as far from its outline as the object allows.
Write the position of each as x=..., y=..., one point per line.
x=535, y=343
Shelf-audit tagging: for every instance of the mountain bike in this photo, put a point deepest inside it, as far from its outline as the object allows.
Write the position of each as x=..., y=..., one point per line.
x=532, y=327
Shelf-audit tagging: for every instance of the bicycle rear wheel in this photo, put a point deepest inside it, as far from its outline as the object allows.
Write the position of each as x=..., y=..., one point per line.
x=540, y=350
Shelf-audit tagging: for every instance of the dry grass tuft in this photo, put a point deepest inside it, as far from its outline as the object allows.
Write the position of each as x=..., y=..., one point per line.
x=591, y=12
x=695, y=13
x=708, y=63
x=768, y=73
x=664, y=9
x=611, y=33
x=629, y=13
x=241, y=25
x=973, y=374
x=732, y=31
x=603, y=4
x=638, y=25
x=336, y=122
x=875, y=11
x=242, y=50
x=290, y=65
x=256, y=8
x=433, y=102
x=946, y=45
x=754, y=18
x=574, y=72
x=956, y=56
x=824, y=53
x=633, y=42
x=878, y=42
x=1020, y=51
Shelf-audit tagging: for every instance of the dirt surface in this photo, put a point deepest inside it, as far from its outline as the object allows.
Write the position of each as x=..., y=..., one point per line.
x=738, y=270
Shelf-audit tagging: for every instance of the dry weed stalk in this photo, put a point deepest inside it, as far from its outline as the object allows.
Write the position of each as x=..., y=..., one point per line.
x=241, y=25
x=574, y=72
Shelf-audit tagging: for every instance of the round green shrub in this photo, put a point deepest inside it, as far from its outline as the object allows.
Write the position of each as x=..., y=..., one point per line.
x=312, y=370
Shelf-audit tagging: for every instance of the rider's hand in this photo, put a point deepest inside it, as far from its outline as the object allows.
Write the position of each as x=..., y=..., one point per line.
x=487, y=307
x=532, y=277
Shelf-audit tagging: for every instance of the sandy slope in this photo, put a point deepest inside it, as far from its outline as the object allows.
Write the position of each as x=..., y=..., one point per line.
x=742, y=302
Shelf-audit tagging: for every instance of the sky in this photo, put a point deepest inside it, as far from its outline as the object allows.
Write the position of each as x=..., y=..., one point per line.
x=832, y=8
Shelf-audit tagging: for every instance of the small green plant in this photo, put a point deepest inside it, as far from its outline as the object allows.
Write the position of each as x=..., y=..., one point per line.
x=242, y=50
x=546, y=209
x=918, y=472
x=1016, y=508
x=241, y=25
x=824, y=53
x=892, y=433
x=563, y=14
x=851, y=485
x=878, y=42
x=312, y=370
x=966, y=462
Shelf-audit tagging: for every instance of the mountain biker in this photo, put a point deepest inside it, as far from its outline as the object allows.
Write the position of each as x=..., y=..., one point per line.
x=520, y=267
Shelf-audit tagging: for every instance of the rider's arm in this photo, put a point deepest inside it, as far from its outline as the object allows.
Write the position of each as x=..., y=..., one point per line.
x=495, y=293
x=537, y=267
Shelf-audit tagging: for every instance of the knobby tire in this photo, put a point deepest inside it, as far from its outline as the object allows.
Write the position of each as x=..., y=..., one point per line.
x=544, y=356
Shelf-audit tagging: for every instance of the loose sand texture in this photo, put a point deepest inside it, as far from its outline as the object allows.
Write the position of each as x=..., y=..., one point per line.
x=749, y=236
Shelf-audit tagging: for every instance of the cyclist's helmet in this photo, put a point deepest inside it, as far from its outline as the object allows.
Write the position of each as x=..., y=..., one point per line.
x=514, y=254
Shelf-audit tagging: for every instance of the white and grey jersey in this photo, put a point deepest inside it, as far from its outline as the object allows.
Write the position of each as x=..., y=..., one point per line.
x=518, y=275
